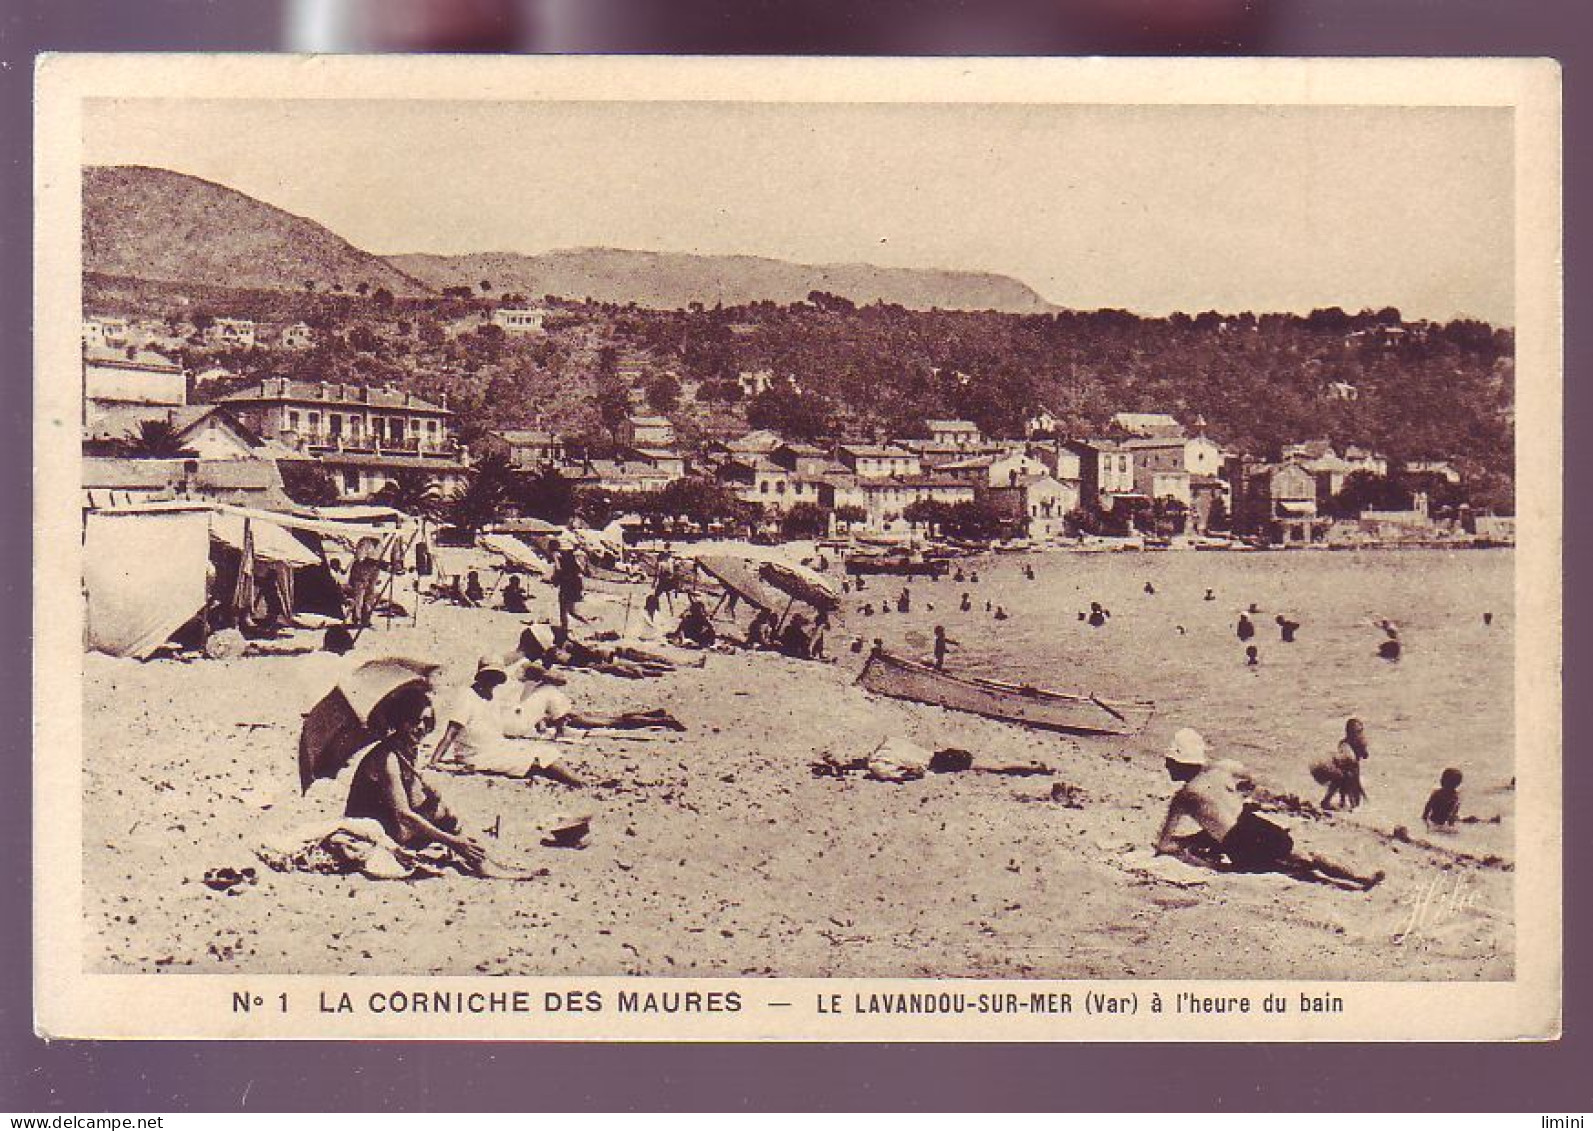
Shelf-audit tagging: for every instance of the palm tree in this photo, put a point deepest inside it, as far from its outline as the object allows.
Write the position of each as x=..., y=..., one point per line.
x=155, y=439
x=413, y=492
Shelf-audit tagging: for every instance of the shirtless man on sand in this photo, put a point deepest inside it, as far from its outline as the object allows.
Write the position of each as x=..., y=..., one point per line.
x=1212, y=796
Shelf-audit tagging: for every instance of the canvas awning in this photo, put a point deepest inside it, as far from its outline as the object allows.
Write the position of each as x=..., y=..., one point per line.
x=1292, y=508
x=271, y=542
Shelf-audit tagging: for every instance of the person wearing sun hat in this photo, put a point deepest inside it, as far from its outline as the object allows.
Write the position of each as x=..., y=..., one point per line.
x=473, y=739
x=1212, y=796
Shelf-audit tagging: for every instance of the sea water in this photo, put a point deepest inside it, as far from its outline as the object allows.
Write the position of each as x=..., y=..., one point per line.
x=1448, y=700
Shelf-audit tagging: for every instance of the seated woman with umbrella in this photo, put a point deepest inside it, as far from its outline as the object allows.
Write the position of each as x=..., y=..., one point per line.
x=376, y=718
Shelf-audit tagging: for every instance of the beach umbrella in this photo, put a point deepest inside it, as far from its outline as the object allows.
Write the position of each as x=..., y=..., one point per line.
x=738, y=576
x=802, y=583
x=340, y=724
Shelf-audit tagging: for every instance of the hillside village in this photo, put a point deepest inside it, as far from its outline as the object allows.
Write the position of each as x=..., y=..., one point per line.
x=154, y=428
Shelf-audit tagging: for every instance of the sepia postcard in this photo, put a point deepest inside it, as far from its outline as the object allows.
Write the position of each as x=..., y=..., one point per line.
x=775, y=549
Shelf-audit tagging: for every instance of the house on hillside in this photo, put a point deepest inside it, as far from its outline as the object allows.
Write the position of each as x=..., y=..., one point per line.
x=106, y=333
x=526, y=448
x=1044, y=422
x=754, y=381
x=646, y=432
x=295, y=336
x=233, y=333
x=885, y=500
x=1060, y=459
x=1443, y=469
x=518, y=320
x=360, y=476
x=877, y=461
x=1158, y=424
x=954, y=433
x=803, y=460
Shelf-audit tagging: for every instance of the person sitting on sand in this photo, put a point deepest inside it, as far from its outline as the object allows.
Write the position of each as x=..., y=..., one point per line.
x=1252, y=656
x=973, y=577
x=1150, y=590
x=473, y=739
x=1246, y=628
x=1097, y=615
x=942, y=643
x=1211, y=595
x=1342, y=772
x=474, y=593
x=958, y=577
x=1000, y=613
x=387, y=788
x=1287, y=628
x=1211, y=795
x=514, y=596
x=904, y=602
x=1028, y=572
x=1443, y=806
x=696, y=628
x=795, y=641
x=966, y=604
x=760, y=633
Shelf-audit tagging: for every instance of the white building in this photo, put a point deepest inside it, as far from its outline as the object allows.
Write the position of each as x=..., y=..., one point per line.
x=516, y=320
x=131, y=376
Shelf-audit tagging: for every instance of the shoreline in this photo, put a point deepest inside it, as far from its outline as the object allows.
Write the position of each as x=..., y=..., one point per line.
x=719, y=851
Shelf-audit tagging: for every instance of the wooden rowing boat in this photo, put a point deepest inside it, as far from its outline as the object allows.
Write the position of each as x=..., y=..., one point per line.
x=891, y=675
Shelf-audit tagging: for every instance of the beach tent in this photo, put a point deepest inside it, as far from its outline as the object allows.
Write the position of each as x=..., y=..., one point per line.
x=147, y=568
x=144, y=574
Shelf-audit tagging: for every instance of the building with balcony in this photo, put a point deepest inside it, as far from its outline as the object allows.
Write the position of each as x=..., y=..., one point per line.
x=318, y=417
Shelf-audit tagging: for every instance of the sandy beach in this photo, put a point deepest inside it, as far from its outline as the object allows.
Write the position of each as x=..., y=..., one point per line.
x=718, y=851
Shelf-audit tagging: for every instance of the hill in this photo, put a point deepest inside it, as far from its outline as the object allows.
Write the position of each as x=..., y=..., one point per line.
x=157, y=224
x=675, y=280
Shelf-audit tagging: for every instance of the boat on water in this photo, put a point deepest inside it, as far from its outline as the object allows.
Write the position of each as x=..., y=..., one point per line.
x=899, y=678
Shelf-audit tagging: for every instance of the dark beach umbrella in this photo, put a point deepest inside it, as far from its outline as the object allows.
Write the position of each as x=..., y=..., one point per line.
x=340, y=723
x=803, y=584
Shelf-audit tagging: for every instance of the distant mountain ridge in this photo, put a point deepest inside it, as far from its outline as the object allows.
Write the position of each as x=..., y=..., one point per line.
x=672, y=280
x=156, y=224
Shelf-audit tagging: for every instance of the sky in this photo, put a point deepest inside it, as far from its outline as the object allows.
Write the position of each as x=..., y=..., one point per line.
x=1148, y=208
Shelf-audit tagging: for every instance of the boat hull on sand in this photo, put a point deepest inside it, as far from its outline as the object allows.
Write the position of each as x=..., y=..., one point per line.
x=890, y=675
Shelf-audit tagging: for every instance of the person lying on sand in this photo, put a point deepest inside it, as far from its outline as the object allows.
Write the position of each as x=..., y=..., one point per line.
x=545, y=711
x=1230, y=830
x=473, y=739
x=549, y=646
